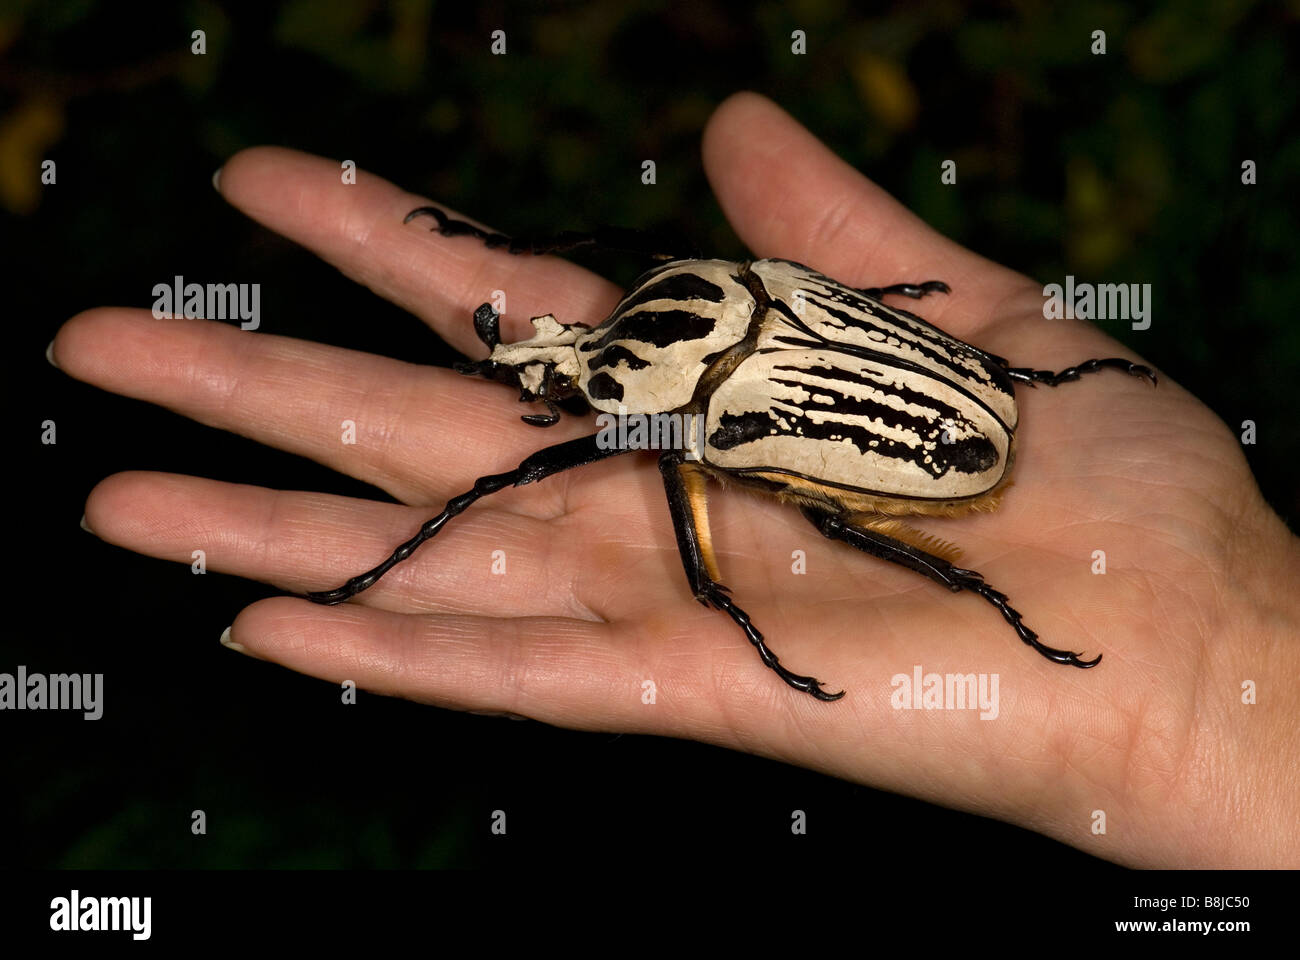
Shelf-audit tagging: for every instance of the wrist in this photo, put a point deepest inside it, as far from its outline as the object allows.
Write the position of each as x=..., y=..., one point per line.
x=1248, y=709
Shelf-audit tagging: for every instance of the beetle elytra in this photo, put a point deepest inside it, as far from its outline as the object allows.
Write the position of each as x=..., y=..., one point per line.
x=809, y=390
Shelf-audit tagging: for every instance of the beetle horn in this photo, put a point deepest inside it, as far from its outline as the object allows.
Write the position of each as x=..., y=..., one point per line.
x=487, y=324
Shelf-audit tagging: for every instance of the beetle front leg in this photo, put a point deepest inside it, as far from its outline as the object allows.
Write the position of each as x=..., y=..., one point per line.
x=936, y=568
x=914, y=290
x=684, y=485
x=1032, y=377
x=543, y=463
x=602, y=238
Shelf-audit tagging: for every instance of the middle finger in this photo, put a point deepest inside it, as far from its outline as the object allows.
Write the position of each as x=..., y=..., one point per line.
x=416, y=432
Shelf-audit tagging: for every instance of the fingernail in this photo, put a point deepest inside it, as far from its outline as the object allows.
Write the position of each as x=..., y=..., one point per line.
x=216, y=180
x=84, y=525
x=226, y=641
x=49, y=355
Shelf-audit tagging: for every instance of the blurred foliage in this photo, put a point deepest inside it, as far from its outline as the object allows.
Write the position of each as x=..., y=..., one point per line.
x=1117, y=168
x=1122, y=167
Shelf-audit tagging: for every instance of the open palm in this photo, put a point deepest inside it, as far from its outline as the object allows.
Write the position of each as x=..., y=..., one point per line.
x=592, y=609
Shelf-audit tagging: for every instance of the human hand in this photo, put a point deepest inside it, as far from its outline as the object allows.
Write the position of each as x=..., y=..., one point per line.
x=594, y=602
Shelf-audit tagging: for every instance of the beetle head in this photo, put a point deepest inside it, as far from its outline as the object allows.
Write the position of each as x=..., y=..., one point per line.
x=544, y=367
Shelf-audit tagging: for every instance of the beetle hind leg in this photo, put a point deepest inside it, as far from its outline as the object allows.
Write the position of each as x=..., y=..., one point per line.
x=956, y=579
x=684, y=485
x=1033, y=377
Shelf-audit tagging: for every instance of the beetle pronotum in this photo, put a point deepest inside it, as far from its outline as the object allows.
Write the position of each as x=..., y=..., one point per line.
x=811, y=391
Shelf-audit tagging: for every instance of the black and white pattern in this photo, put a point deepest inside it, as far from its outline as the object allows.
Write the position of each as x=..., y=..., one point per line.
x=844, y=420
x=836, y=315
x=650, y=354
x=845, y=391
x=828, y=384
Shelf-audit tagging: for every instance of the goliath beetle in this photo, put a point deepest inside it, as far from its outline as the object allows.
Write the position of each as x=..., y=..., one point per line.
x=810, y=391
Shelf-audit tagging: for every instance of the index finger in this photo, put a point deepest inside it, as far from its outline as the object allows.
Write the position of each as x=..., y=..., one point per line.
x=358, y=227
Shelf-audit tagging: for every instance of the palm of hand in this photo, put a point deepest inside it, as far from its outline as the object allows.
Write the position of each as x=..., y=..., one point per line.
x=594, y=604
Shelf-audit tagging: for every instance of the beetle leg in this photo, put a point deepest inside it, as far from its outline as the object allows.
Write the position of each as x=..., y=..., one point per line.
x=552, y=416
x=1032, y=377
x=936, y=568
x=549, y=419
x=685, y=486
x=543, y=463
x=608, y=238
x=914, y=290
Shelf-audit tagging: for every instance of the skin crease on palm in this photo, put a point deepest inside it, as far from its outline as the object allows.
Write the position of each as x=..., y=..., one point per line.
x=1196, y=598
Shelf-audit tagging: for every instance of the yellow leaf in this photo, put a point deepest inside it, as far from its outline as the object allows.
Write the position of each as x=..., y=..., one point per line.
x=886, y=91
x=26, y=133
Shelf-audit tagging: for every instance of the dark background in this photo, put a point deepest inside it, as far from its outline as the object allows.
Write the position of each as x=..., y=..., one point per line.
x=1123, y=168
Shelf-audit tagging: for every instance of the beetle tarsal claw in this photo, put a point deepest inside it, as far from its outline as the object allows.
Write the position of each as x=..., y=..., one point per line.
x=1141, y=370
x=809, y=685
x=1066, y=656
